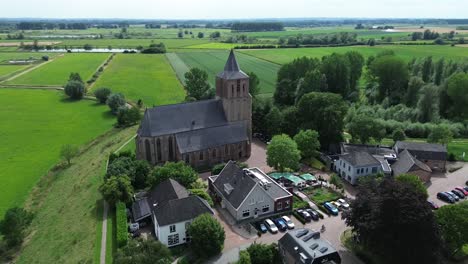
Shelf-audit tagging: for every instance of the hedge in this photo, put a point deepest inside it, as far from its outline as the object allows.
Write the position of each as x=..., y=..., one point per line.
x=121, y=226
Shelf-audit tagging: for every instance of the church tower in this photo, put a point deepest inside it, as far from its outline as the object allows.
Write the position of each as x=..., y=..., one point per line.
x=232, y=87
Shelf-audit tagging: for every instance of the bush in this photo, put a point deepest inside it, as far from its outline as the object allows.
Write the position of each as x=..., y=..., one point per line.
x=451, y=157
x=202, y=194
x=217, y=168
x=13, y=226
x=75, y=89
x=102, y=94
x=115, y=101
x=45, y=58
x=121, y=227
x=207, y=236
x=128, y=116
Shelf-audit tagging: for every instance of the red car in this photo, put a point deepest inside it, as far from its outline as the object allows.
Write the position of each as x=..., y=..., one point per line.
x=433, y=205
x=465, y=192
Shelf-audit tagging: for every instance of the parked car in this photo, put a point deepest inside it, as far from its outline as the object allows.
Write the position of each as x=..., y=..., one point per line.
x=271, y=226
x=445, y=197
x=433, y=205
x=331, y=208
x=458, y=193
x=262, y=228
x=280, y=224
x=304, y=215
x=288, y=222
x=461, y=189
x=454, y=196
x=344, y=204
x=466, y=188
x=313, y=214
x=336, y=204
x=133, y=227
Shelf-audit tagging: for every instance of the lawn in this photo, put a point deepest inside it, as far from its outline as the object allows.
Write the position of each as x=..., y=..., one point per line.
x=8, y=69
x=321, y=195
x=143, y=76
x=213, y=62
x=35, y=124
x=57, y=72
x=282, y=56
x=66, y=204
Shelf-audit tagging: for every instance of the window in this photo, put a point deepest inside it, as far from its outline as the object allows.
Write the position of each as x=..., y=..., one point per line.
x=171, y=150
x=158, y=147
x=214, y=153
x=246, y=213
x=201, y=155
x=374, y=169
x=172, y=228
x=173, y=239
x=238, y=87
x=148, y=150
x=367, y=170
x=252, y=201
x=286, y=204
x=226, y=150
x=187, y=158
x=279, y=205
x=187, y=224
x=265, y=208
x=243, y=88
x=349, y=168
x=232, y=90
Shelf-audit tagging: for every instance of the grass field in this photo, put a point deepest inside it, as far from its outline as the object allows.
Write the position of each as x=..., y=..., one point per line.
x=457, y=146
x=57, y=72
x=143, y=76
x=66, y=204
x=35, y=124
x=131, y=43
x=282, y=56
x=213, y=62
x=5, y=56
x=8, y=69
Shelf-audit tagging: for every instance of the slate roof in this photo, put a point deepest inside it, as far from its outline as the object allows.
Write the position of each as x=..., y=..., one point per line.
x=176, y=118
x=423, y=151
x=359, y=159
x=166, y=191
x=371, y=149
x=407, y=163
x=295, y=246
x=211, y=137
x=179, y=210
x=140, y=209
x=231, y=69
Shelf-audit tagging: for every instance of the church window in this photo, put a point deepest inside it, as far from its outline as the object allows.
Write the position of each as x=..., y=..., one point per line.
x=187, y=158
x=232, y=90
x=148, y=150
x=226, y=150
x=214, y=153
x=158, y=149
x=201, y=155
x=171, y=150
x=243, y=88
x=238, y=87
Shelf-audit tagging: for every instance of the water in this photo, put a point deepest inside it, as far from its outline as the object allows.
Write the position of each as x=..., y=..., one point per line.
x=96, y=50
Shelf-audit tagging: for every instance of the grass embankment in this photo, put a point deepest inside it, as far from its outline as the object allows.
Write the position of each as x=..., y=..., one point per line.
x=143, y=76
x=57, y=72
x=213, y=63
x=34, y=125
x=66, y=203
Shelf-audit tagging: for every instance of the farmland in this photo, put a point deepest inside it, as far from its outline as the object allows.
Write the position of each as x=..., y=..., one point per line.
x=8, y=69
x=57, y=71
x=213, y=63
x=35, y=124
x=282, y=56
x=146, y=77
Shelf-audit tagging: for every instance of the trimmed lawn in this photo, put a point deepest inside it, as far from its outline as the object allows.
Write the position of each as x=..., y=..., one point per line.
x=213, y=63
x=143, y=76
x=321, y=195
x=35, y=124
x=58, y=71
x=66, y=204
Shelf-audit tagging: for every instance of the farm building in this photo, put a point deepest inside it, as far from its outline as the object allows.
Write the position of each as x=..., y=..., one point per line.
x=433, y=155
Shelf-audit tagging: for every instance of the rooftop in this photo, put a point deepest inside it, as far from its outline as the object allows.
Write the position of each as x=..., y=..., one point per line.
x=406, y=163
x=360, y=159
x=371, y=149
x=231, y=69
x=423, y=150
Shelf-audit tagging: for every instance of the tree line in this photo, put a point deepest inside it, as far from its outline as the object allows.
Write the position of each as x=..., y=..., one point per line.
x=257, y=26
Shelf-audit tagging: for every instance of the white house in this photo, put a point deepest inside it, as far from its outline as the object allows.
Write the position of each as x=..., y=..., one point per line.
x=351, y=166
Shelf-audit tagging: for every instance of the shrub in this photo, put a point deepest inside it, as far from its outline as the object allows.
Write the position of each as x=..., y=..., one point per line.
x=202, y=194
x=102, y=94
x=13, y=226
x=207, y=236
x=115, y=101
x=451, y=157
x=128, y=116
x=121, y=227
x=75, y=89
x=217, y=168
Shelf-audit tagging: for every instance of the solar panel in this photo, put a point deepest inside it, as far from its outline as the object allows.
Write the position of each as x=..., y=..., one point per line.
x=302, y=233
x=323, y=250
x=308, y=237
x=314, y=246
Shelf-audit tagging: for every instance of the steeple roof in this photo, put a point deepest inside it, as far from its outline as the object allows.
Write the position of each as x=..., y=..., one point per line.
x=232, y=70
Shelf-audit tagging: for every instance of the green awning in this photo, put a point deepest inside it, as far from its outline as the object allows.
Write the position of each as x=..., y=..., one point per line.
x=279, y=175
x=296, y=180
x=308, y=177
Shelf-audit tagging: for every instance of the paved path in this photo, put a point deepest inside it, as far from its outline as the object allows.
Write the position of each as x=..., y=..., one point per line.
x=104, y=234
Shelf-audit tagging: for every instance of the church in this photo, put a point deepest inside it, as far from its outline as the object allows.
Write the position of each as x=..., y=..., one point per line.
x=202, y=133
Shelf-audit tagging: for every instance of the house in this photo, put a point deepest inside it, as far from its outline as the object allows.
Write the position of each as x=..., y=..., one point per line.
x=407, y=164
x=201, y=133
x=249, y=193
x=171, y=209
x=433, y=155
x=305, y=246
x=351, y=166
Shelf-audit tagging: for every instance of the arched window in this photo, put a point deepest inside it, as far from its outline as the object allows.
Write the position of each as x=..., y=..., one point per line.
x=214, y=153
x=226, y=150
x=187, y=158
x=232, y=90
x=158, y=149
x=238, y=87
x=201, y=155
x=148, y=150
x=171, y=150
x=243, y=88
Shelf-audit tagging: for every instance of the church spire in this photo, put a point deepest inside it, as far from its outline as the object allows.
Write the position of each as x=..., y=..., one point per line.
x=231, y=64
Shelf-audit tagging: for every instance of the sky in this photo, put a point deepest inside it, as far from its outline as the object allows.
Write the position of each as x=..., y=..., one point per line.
x=232, y=9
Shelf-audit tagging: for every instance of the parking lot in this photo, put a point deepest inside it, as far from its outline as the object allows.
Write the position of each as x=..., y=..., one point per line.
x=446, y=182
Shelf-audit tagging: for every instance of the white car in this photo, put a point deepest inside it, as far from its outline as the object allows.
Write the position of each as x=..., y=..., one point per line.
x=337, y=204
x=343, y=203
x=271, y=226
x=288, y=222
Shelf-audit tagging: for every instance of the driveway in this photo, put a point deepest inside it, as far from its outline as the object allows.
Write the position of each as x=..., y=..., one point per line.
x=258, y=156
x=446, y=182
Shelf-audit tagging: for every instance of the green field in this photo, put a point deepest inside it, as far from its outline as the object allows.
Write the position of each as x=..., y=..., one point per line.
x=6, y=56
x=131, y=43
x=8, y=69
x=57, y=71
x=141, y=76
x=35, y=124
x=213, y=62
x=282, y=56
x=457, y=146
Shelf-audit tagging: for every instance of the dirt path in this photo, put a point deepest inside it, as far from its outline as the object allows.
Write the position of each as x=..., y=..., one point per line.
x=102, y=258
x=26, y=71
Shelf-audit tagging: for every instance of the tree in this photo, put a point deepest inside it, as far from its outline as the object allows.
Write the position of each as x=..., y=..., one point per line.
x=260, y=253
x=413, y=181
x=254, y=81
x=144, y=251
x=14, y=224
x=393, y=221
x=426, y=70
x=285, y=93
x=244, y=257
x=102, y=94
x=74, y=76
x=207, y=236
x=337, y=69
x=323, y=112
x=68, y=152
x=308, y=143
x=273, y=121
x=116, y=101
x=335, y=180
x=363, y=127
x=440, y=134
x=141, y=172
x=454, y=226
x=414, y=86
x=282, y=153
x=356, y=62
x=428, y=103
x=201, y=35
x=177, y=171
x=128, y=116
x=312, y=82
x=75, y=90
x=289, y=123
x=457, y=90
x=398, y=135
x=439, y=71
x=196, y=81
x=117, y=188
